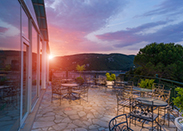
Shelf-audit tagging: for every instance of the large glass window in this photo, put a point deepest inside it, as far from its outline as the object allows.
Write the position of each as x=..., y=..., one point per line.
x=34, y=66
x=10, y=54
x=24, y=25
x=25, y=79
x=41, y=63
x=31, y=8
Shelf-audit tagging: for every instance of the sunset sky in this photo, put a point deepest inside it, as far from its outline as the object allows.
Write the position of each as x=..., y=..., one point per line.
x=112, y=26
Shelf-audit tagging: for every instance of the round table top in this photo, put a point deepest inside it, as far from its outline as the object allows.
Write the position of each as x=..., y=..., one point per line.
x=67, y=79
x=121, y=82
x=148, y=101
x=142, y=89
x=70, y=85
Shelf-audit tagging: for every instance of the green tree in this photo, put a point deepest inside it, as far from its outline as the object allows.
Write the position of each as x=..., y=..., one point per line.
x=166, y=60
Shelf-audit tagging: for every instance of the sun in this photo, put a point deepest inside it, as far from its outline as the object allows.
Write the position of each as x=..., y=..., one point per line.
x=50, y=57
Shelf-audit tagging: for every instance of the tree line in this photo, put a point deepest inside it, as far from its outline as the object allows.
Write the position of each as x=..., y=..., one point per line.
x=166, y=60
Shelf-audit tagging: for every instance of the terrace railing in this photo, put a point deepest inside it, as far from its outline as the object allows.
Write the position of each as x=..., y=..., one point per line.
x=168, y=84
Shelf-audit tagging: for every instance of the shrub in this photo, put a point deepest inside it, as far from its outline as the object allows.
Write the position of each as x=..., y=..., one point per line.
x=80, y=80
x=147, y=83
x=111, y=77
x=178, y=101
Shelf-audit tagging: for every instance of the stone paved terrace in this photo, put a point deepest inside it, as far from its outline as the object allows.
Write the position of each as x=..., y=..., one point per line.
x=93, y=115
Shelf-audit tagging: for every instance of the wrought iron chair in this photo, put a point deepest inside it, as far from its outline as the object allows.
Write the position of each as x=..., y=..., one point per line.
x=173, y=112
x=123, y=100
x=83, y=93
x=57, y=90
x=157, y=90
x=165, y=96
x=144, y=112
x=119, y=123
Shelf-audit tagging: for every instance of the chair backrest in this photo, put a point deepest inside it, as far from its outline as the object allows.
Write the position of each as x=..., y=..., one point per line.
x=165, y=96
x=119, y=123
x=157, y=90
x=142, y=109
x=56, y=87
x=158, y=86
x=84, y=89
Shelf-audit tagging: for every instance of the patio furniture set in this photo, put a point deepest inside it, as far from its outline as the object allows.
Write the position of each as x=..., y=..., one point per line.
x=68, y=89
x=145, y=105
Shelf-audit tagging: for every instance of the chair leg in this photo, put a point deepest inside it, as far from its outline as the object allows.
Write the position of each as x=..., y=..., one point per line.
x=60, y=99
x=117, y=109
x=168, y=113
x=52, y=98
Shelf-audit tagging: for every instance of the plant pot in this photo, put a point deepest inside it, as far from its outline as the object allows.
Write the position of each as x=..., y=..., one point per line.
x=109, y=84
x=178, y=123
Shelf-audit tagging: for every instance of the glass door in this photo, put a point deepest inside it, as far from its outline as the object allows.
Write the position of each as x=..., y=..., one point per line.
x=24, y=90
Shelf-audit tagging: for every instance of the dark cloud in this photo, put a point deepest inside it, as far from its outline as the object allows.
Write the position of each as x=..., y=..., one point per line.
x=170, y=33
x=82, y=15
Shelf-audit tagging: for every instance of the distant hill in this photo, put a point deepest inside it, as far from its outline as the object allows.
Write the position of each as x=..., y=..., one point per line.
x=98, y=62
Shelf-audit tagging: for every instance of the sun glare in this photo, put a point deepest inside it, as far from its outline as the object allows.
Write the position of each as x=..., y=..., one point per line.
x=50, y=57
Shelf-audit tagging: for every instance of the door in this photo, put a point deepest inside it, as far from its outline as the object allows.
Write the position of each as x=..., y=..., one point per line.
x=24, y=87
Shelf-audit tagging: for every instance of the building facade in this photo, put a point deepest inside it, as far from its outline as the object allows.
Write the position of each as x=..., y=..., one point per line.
x=24, y=53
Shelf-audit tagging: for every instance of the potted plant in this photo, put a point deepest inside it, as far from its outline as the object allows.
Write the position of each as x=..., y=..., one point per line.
x=178, y=102
x=147, y=83
x=80, y=79
x=110, y=80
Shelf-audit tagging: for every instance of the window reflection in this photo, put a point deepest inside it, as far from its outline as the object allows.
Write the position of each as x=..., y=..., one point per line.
x=40, y=62
x=24, y=25
x=34, y=66
x=25, y=79
x=10, y=65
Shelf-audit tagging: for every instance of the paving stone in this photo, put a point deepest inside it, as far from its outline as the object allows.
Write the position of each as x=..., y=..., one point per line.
x=60, y=126
x=81, y=113
x=101, y=129
x=66, y=120
x=93, y=130
x=45, y=119
x=72, y=112
x=72, y=126
x=49, y=114
x=51, y=129
x=74, y=117
x=80, y=129
x=78, y=123
x=45, y=129
x=107, y=118
x=90, y=115
x=42, y=124
x=68, y=130
x=36, y=130
x=102, y=123
x=94, y=127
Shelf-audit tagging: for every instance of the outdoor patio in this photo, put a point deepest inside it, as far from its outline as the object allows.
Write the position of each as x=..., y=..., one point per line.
x=93, y=115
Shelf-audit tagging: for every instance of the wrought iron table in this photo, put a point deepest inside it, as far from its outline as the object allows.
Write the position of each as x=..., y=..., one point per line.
x=70, y=95
x=141, y=90
x=156, y=102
